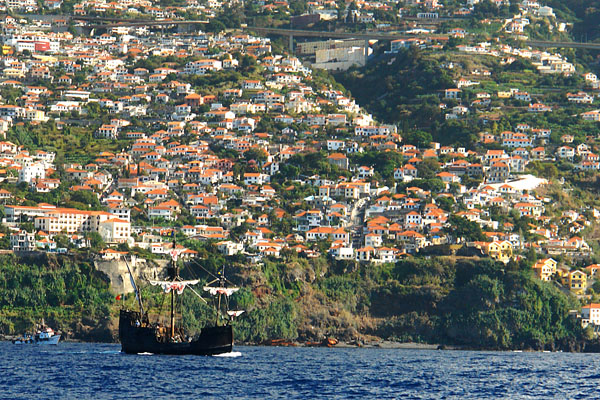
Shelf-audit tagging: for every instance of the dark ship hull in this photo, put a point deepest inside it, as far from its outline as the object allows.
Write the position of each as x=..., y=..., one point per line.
x=136, y=336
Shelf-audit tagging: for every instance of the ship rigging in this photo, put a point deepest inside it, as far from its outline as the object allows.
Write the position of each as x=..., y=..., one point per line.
x=138, y=335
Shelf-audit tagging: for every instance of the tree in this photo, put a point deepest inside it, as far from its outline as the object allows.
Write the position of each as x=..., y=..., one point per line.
x=457, y=132
x=85, y=199
x=460, y=227
x=531, y=255
x=382, y=162
x=428, y=168
x=297, y=7
x=544, y=169
x=435, y=185
x=418, y=138
x=485, y=9
x=96, y=241
x=472, y=181
x=445, y=203
x=247, y=64
x=255, y=154
x=519, y=65
x=388, y=86
x=94, y=110
x=123, y=247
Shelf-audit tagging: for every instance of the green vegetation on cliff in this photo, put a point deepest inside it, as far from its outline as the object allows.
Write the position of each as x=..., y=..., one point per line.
x=67, y=293
x=460, y=301
x=471, y=302
x=479, y=304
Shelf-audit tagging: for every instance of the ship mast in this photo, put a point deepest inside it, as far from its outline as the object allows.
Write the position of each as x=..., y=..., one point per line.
x=220, y=291
x=138, y=295
x=173, y=276
x=221, y=284
x=174, y=283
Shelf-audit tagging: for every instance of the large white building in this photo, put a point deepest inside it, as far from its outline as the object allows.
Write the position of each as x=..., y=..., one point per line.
x=342, y=58
x=54, y=220
x=26, y=5
x=201, y=67
x=115, y=230
x=70, y=220
x=22, y=241
x=32, y=171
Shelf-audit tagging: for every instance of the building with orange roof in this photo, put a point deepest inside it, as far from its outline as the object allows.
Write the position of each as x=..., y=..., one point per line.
x=545, y=269
x=590, y=315
x=339, y=160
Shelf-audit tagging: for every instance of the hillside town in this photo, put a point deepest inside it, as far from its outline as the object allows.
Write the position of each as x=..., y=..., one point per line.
x=122, y=140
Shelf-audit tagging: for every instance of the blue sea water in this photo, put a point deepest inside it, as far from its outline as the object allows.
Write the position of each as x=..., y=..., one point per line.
x=100, y=371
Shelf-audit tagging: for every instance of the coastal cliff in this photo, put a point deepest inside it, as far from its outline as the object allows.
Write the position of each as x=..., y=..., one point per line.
x=465, y=302
x=461, y=301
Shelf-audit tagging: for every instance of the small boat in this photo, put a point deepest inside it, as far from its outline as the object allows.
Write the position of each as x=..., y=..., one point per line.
x=45, y=335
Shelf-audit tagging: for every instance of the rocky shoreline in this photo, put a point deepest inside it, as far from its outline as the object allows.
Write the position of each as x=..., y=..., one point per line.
x=580, y=347
x=384, y=345
x=340, y=345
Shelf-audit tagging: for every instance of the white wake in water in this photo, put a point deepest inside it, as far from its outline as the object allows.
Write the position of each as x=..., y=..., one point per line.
x=82, y=352
x=230, y=354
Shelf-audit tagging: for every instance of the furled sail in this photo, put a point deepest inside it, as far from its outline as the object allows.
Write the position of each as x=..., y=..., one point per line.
x=235, y=313
x=220, y=290
x=177, y=286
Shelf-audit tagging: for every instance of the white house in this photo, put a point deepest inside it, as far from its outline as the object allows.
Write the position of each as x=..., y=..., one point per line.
x=251, y=178
x=32, y=171
x=590, y=314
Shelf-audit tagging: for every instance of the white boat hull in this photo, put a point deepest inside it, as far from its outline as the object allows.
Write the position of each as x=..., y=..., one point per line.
x=53, y=340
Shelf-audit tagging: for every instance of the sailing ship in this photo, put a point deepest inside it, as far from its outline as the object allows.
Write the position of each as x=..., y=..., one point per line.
x=139, y=335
